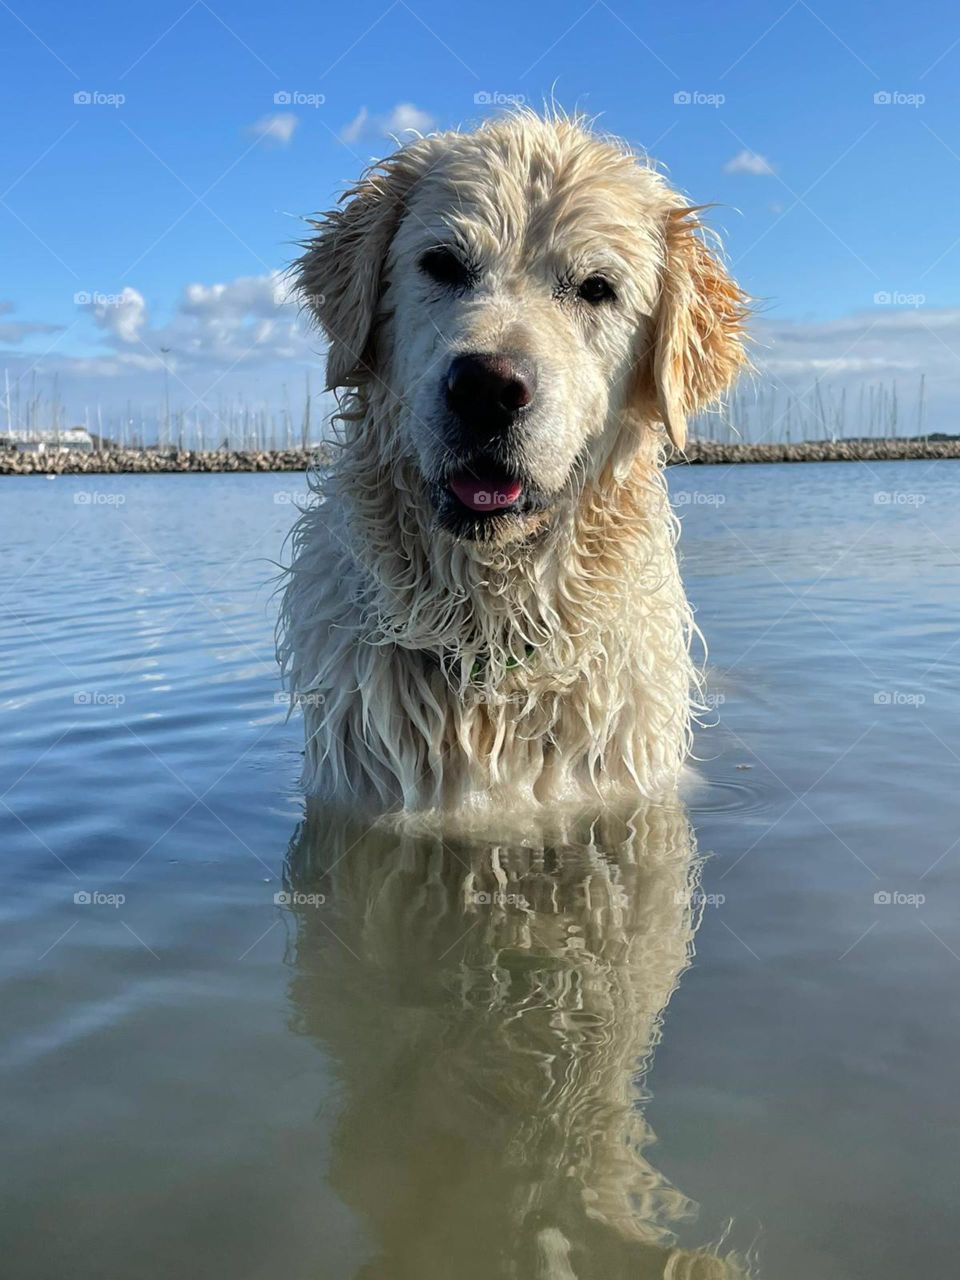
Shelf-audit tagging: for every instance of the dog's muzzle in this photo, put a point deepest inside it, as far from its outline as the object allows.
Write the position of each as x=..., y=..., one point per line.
x=487, y=396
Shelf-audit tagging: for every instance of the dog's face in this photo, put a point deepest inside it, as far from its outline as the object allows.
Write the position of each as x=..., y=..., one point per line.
x=530, y=296
x=523, y=307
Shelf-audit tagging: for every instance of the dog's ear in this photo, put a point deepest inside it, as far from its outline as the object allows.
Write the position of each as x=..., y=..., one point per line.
x=339, y=275
x=698, y=341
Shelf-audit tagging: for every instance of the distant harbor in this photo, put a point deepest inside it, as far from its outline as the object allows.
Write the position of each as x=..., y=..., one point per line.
x=758, y=423
x=699, y=452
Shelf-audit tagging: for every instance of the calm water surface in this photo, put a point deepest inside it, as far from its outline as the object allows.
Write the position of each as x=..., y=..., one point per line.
x=699, y=1040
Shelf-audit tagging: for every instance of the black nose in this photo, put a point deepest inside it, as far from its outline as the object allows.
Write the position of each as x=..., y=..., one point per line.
x=487, y=392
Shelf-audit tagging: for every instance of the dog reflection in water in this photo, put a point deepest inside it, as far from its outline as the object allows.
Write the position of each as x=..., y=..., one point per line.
x=493, y=1009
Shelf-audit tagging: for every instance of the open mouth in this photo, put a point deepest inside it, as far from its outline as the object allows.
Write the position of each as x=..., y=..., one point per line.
x=482, y=500
x=487, y=491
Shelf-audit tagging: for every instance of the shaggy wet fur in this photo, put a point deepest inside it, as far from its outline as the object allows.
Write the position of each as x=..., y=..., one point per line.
x=547, y=660
x=492, y=1007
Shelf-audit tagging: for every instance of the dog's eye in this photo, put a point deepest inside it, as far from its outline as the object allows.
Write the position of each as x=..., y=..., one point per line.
x=443, y=266
x=595, y=289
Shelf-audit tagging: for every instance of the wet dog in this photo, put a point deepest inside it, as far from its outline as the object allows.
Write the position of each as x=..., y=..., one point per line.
x=485, y=607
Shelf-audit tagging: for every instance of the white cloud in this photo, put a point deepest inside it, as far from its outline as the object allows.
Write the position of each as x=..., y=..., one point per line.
x=399, y=120
x=278, y=128
x=14, y=331
x=749, y=162
x=20, y=329
x=247, y=295
x=877, y=366
x=246, y=323
x=406, y=116
x=353, y=131
x=123, y=315
x=222, y=341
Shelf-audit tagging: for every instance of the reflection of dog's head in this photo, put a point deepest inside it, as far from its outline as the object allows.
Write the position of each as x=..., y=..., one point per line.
x=489, y=1007
x=527, y=296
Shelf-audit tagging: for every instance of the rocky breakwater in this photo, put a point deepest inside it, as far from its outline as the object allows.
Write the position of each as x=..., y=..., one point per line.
x=698, y=452
x=866, y=450
x=156, y=461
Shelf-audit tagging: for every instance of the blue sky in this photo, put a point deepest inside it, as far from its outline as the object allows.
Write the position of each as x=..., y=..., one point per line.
x=183, y=181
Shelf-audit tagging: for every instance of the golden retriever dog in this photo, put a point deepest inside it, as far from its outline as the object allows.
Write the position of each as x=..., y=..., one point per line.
x=484, y=606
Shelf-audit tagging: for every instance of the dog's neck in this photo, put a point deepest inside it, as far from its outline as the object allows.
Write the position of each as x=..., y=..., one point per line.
x=428, y=590
x=536, y=612
x=451, y=671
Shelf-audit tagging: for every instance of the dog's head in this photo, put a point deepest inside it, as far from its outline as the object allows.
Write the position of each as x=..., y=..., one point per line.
x=530, y=297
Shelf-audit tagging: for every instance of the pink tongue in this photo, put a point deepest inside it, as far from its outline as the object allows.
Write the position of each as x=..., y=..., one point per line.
x=485, y=493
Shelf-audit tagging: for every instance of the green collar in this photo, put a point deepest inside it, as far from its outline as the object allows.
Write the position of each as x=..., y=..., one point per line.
x=480, y=665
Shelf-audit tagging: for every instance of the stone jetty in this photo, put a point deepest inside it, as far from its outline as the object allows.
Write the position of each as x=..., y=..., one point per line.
x=705, y=452
x=698, y=452
x=156, y=461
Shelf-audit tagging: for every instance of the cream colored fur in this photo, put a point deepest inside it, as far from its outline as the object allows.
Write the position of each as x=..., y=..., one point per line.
x=549, y=662
x=492, y=1006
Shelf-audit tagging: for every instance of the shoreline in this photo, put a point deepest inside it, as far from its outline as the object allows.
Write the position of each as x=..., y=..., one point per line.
x=698, y=453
